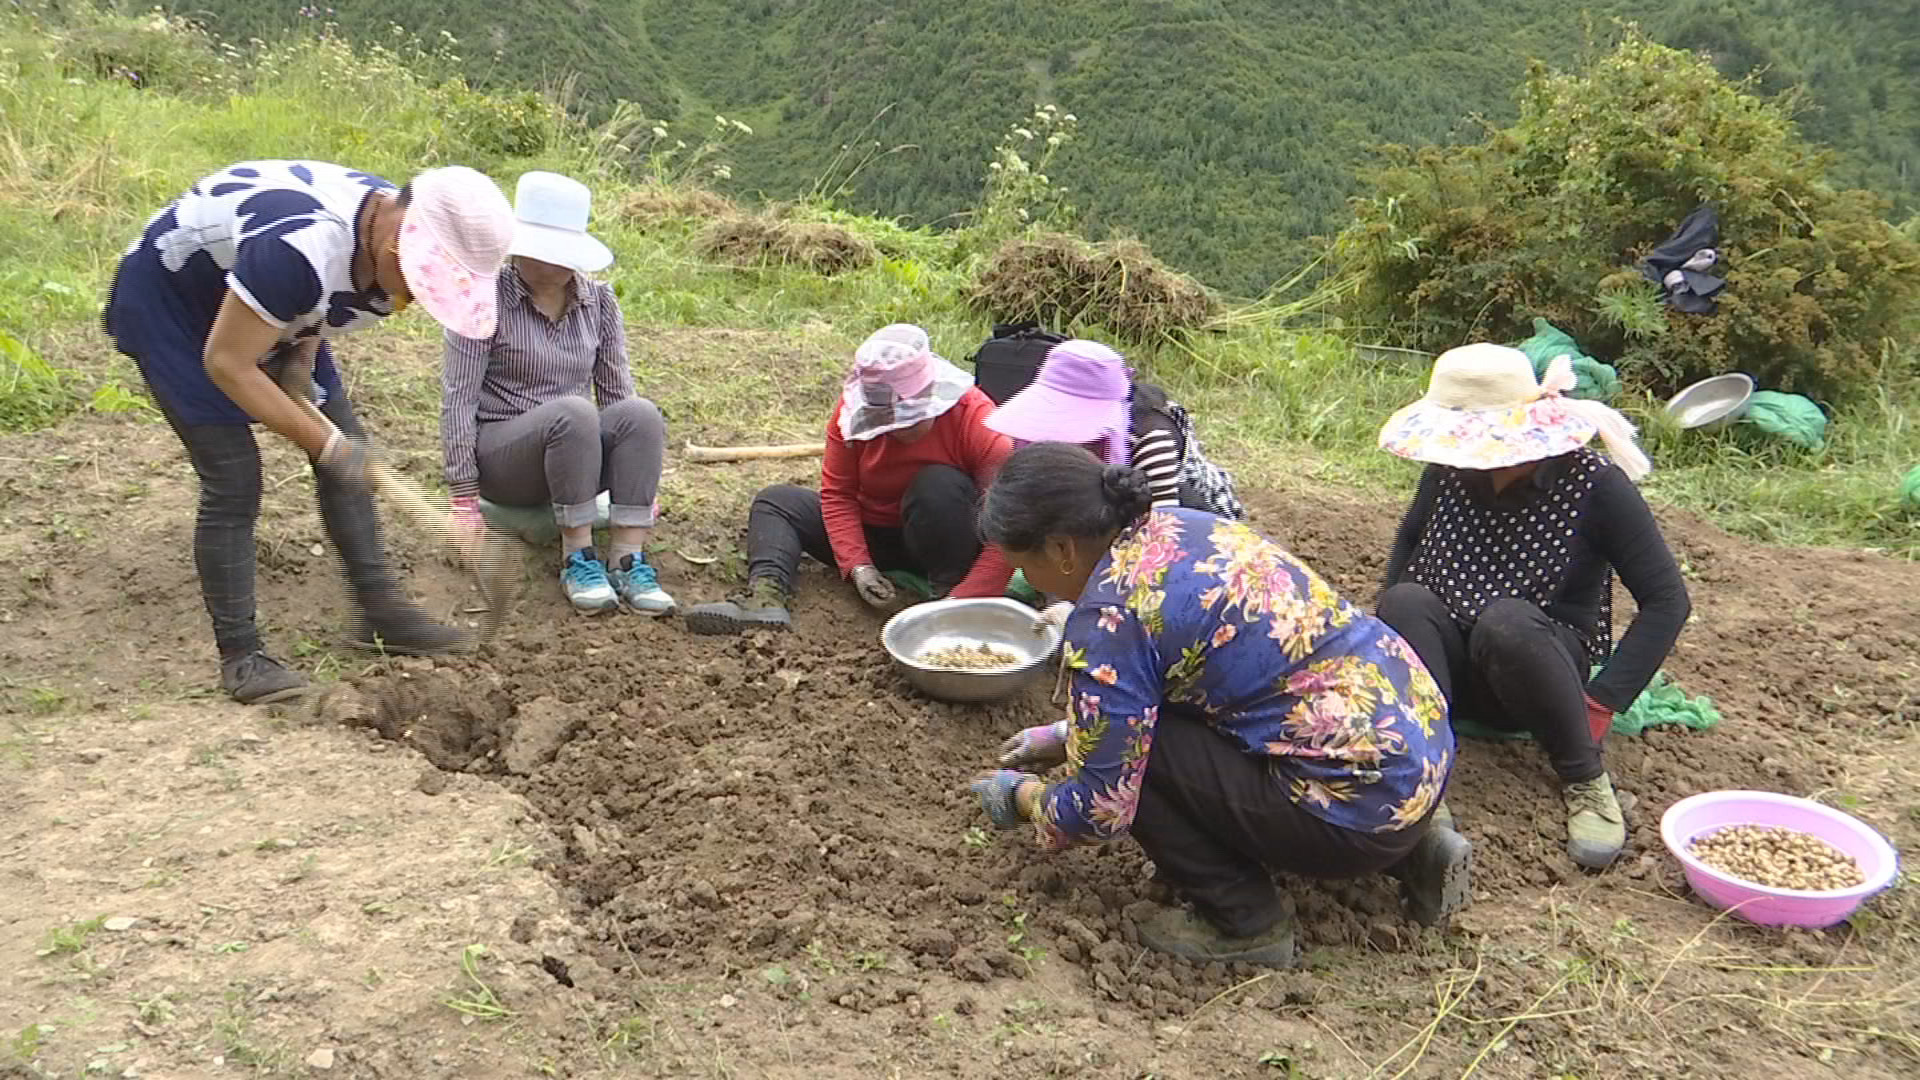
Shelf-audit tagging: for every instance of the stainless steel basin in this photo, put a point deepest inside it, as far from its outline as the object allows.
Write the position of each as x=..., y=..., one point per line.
x=1712, y=403
x=940, y=624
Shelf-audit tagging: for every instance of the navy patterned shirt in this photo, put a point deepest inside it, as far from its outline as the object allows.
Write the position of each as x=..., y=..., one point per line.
x=281, y=235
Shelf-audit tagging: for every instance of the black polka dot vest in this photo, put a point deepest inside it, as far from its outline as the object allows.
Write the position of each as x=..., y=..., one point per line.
x=1472, y=555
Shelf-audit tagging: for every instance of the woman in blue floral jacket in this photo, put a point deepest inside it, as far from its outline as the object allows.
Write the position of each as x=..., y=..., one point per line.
x=1229, y=709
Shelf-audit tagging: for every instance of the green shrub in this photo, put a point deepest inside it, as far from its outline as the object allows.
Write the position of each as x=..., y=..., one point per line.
x=1548, y=217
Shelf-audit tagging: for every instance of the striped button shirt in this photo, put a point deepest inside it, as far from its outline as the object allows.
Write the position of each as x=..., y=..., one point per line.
x=529, y=361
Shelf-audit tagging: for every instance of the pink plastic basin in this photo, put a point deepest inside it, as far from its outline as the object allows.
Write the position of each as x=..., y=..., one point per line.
x=1714, y=810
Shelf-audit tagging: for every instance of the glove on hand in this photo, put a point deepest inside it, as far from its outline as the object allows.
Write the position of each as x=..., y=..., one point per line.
x=996, y=791
x=468, y=523
x=1599, y=720
x=1055, y=615
x=345, y=459
x=1036, y=748
x=874, y=588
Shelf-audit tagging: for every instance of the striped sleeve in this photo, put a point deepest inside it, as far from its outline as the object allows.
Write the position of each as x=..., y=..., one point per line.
x=1158, y=455
x=463, y=371
x=612, y=376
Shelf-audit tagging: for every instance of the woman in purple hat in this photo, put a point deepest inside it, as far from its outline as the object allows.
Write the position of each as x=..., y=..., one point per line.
x=1085, y=394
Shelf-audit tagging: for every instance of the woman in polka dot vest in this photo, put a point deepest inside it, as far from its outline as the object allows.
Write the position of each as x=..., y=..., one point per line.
x=1501, y=577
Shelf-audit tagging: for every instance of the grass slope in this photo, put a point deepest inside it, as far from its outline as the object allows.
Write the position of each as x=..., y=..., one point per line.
x=84, y=160
x=1225, y=132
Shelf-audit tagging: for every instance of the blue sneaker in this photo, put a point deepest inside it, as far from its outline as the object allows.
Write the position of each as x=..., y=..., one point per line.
x=584, y=579
x=639, y=587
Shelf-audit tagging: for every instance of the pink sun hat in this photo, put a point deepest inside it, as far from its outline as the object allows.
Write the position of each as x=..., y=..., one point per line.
x=1080, y=395
x=896, y=382
x=453, y=242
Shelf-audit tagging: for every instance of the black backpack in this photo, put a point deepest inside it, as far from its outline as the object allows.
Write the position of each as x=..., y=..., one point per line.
x=1008, y=361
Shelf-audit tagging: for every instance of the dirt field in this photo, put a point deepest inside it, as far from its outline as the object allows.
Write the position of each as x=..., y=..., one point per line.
x=606, y=847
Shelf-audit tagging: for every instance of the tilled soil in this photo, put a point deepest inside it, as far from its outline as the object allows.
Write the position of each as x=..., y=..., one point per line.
x=757, y=856
x=732, y=804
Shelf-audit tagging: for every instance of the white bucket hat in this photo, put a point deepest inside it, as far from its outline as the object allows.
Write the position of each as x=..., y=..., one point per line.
x=551, y=212
x=1485, y=410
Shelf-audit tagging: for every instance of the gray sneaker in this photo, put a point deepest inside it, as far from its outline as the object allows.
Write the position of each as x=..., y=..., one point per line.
x=639, y=587
x=258, y=679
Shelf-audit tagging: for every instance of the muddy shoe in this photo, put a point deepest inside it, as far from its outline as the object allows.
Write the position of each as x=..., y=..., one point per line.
x=258, y=679
x=399, y=627
x=1436, y=877
x=1180, y=932
x=1596, y=826
x=765, y=609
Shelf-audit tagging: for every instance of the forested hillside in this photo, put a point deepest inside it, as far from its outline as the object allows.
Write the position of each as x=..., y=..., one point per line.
x=1224, y=132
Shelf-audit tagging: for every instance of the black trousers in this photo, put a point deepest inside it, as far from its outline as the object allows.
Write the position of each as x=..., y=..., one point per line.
x=937, y=537
x=1516, y=669
x=1216, y=821
x=227, y=460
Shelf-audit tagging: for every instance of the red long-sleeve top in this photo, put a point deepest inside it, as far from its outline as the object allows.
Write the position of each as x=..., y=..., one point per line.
x=861, y=483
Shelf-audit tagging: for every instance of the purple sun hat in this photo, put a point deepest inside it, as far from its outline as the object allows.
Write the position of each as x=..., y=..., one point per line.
x=1079, y=395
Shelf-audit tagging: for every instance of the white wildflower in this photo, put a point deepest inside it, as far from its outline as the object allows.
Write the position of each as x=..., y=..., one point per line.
x=744, y=129
x=1023, y=133
x=659, y=132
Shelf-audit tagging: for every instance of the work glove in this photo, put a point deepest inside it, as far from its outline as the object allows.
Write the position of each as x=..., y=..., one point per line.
x=469, y=525
x=1599, y=719
x=1055, y=615
x=996, y=791
x=873, y=587
x=1036, y=748
x=345, y=459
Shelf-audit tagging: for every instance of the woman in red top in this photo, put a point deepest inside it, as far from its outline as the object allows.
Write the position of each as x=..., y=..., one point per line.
x=907, y=458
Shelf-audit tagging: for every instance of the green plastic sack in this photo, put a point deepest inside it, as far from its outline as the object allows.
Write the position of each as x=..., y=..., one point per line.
x=919, y=588
x=534, y=524
x=1595, y=381
x=1661, y=704
x=1910, y=488
x=1789, y=416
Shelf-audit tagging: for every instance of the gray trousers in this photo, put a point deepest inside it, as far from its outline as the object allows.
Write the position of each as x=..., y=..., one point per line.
x=566, y=452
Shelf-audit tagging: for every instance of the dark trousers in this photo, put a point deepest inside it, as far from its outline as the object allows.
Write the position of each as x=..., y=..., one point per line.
x=937, y=537
x=1516, y=669
x=1217, y=820
x=227, y=460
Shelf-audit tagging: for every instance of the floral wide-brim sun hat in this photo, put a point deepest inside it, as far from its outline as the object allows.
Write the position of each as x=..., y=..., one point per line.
x=1485, y=410
x=897, y=381
x=453, y=241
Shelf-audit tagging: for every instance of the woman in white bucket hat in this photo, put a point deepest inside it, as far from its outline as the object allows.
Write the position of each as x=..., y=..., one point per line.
x=260, y=265
x=1501, y=577
x=543, y=411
